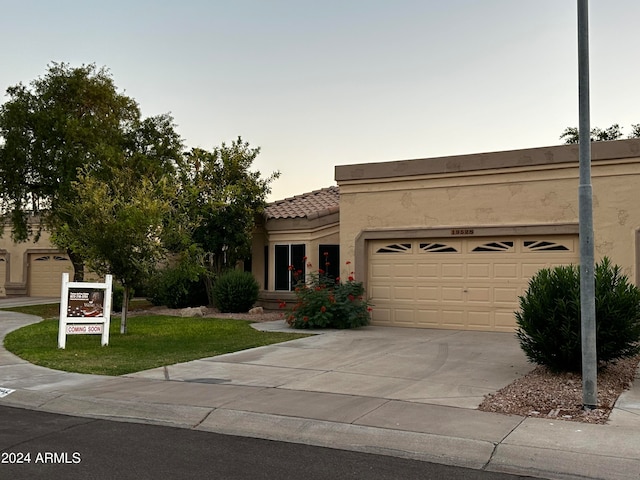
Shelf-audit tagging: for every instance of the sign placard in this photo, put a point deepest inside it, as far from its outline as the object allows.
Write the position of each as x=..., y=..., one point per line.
x=85, y=309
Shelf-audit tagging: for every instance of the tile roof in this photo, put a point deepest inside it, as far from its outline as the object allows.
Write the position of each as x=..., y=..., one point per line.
x=310, y=205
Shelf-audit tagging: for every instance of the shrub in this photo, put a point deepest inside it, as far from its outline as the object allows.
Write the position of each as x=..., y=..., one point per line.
x=548, y=321
x=235, y=291
x=117, y=297
x=322, y=302
x=177, y=287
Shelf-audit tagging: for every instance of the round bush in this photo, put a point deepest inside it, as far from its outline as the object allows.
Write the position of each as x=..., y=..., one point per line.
x=177, y=287
x=549, y=317
x=235, y=291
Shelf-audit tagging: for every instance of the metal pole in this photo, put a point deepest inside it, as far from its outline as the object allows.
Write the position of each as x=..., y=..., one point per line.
x=585, y=202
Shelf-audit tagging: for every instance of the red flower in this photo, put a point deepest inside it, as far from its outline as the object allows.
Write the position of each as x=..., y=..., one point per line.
x=305, y=319
x=326, y=254
x=320, y=271
x=369, y=309
x=282, y=304
x=304, y=258
x=290, y=268
x=348, y=262
x=351, y=298
x=351, y=279
x=323, y=309
x=337, y=279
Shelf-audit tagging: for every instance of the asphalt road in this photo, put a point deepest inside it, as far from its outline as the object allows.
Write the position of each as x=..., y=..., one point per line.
x=39, y=445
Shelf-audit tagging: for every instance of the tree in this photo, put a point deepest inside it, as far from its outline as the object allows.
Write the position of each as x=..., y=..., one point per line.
x=571, y=135
x=220, y=190
x=71, y=118
x=118, y=222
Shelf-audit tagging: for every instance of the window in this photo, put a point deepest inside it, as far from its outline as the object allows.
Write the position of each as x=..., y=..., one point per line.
x=285, y=256
x=329, y=258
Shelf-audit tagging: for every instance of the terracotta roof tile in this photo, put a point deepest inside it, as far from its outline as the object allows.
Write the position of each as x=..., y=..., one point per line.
x=311, y=205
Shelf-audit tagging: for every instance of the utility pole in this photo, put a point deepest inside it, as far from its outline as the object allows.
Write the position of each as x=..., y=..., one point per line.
x=585, y=204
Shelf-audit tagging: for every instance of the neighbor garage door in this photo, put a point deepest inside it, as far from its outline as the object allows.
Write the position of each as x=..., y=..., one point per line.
x=45, y=274
x=469, y=283
x=3, y=275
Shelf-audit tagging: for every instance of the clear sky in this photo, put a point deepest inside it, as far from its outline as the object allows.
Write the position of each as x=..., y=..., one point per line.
x=322, y=83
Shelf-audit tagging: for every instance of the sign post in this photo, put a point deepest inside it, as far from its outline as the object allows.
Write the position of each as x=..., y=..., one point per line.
x=85, y=308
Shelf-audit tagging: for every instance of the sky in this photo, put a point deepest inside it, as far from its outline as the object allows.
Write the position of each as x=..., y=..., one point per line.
x=317, y=84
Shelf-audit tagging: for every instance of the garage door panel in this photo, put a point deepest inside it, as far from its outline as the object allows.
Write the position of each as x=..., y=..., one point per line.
x=452, y=294
x=479, y=271
x=428, y=293
x=453, y=318
x=404, y=293
x=428, y=270
x=452, y=271
x=479, y=294
x=381, y=292
x=404, y=316
x=470, y=283
x=479, y=319
x=402, y=270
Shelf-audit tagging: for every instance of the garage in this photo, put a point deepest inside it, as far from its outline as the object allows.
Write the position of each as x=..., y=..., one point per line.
x=45, y=274
x=3, y=275
x=470, y=283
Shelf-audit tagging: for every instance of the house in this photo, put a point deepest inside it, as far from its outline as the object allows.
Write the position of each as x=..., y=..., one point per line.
x=452, y=242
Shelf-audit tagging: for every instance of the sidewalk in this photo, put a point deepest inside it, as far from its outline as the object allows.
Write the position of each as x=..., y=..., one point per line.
x=409, y=393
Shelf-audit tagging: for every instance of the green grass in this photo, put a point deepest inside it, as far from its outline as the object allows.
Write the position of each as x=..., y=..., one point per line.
x=151, y=341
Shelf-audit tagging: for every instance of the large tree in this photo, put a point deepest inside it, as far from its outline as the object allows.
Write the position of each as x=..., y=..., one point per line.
x=119, y=218
x=220, y=190
x=68, y=119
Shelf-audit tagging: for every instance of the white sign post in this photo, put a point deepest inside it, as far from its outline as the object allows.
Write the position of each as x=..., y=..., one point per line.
x=85, y=308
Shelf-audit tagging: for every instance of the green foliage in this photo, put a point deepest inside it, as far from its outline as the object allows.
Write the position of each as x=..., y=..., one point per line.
x=219, y=189
x=235, y=291
x=324, y=302
x=549, y=317
x=571, y=135
x=178, y=287
x=153, y=341
x=117, y=297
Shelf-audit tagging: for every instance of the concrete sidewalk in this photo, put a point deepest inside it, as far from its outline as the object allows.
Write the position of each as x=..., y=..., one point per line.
x=410, y=393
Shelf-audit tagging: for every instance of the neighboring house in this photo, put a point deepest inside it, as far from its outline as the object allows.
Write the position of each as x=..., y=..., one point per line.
x=31, y=268
x=301, y=232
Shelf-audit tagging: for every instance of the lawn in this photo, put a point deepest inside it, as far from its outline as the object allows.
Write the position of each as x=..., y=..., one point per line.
x=152, y=341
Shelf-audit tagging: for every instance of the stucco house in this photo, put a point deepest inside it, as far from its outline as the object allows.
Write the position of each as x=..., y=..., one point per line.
x=451, y=242
x=446, y=242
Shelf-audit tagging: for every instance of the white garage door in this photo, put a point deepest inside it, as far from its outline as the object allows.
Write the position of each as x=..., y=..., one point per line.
x=460, y=283
x=3, y=276
x=45, y=274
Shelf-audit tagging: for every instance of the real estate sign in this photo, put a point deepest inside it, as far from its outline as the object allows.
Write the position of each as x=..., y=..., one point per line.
x=85, y=309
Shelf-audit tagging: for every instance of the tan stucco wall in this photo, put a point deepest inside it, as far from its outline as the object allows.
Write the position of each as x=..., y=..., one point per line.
x=535, y=187
x=17, y=261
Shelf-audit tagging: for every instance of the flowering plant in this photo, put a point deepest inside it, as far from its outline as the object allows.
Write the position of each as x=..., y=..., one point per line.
x=325, y=302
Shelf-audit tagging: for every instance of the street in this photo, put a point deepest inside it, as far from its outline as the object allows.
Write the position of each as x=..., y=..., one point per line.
x=38, y=445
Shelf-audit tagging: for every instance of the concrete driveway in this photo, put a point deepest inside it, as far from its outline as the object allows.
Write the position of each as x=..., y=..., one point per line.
x=443, y=367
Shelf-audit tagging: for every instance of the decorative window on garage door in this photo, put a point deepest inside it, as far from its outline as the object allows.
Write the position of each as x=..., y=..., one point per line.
x=437, y=248
x=395, y=248
x=544, y=246
x=500, y=246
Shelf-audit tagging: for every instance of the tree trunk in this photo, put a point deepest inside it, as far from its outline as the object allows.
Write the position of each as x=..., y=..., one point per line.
x=78, y=266
x=125, y=309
